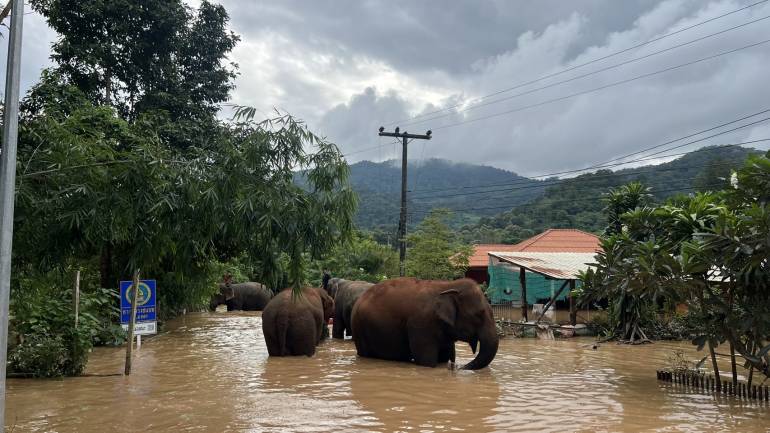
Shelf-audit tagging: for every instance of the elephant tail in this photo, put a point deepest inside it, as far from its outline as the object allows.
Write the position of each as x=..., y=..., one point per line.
x=282, y=330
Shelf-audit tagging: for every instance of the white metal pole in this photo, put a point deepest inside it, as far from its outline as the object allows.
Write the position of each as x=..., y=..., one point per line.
x=8, y=183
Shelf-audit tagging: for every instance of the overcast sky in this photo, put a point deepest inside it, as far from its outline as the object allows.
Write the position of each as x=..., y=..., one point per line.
x=347, y=67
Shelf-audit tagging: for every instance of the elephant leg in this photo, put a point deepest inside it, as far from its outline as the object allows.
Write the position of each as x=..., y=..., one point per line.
x=447, y=353
x=302, y=336
x=425, y=350
x=338, y=327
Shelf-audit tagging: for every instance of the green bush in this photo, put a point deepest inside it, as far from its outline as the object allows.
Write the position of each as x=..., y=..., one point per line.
x=44, y=340
x=46, y=355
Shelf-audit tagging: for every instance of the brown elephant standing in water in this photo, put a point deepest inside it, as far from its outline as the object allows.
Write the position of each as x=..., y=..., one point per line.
x=407, y=319
x=345, y=297
x=293, y=325
x=248, y=296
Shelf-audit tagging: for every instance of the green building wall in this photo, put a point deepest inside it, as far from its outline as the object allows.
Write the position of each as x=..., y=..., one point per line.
x=504, y=286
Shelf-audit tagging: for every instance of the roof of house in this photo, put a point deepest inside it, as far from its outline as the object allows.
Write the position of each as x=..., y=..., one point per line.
x=550, y=241
x=563, y=266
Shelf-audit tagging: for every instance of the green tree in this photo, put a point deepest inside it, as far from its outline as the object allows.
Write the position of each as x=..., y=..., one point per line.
x=709, y=250
x=435, y=253
x=620, y=200
x=140, y=56
x=362, y=258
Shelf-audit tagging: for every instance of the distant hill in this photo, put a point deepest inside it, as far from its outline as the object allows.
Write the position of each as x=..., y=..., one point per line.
x=492, y=205
x=576, y=202
x=430, y=184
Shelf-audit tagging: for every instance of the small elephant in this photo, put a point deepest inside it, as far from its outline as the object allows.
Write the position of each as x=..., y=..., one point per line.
x=347, y=293
x=249, y=296
x=293, y=325
x=407, y=319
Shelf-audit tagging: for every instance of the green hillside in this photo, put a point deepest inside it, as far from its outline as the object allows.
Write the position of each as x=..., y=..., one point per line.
x=576, y=202
x=379, y=189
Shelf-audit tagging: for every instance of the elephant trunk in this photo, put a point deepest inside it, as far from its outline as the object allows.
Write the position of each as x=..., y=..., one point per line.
x=488, y=340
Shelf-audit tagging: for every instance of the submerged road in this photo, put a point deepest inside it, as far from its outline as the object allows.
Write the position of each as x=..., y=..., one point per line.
x=210, y=373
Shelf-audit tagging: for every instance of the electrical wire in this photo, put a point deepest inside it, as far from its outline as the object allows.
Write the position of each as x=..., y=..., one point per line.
x=606, y=86
x=572, y=68
x=593, y=198
x=611, y=162
x=578, y=77
x=619, y=174
x=593, y=175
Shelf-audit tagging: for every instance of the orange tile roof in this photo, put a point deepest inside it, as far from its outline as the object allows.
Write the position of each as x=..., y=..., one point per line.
x=550, y=241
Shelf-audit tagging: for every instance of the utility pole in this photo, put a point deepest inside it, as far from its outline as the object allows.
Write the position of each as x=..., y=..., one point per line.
x=405, y=136
x=8, y=184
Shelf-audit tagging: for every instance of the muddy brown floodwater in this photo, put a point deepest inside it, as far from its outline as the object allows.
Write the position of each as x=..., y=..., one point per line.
x=210, y=373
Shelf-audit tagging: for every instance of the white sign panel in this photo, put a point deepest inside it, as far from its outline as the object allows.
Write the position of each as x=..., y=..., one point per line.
x=144, y=328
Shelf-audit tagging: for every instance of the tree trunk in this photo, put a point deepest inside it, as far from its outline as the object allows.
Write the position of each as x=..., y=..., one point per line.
x=105, y=267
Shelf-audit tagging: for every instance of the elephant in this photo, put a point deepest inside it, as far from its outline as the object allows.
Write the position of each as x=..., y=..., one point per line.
x=406, y=319
x=331, y=286
x=347, y=293
x=293, y=324
x=249, y=296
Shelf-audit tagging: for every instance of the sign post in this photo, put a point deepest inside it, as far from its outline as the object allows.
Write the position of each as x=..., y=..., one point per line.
x=146, y=312
x=137, y=312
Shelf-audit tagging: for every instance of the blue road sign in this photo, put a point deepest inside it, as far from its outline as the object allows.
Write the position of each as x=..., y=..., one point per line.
x=145, y=302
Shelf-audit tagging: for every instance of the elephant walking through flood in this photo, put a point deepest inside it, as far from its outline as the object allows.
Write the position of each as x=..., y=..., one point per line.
x=249, y=296
x=407, y=319
x=346, y=294
x=293, y=325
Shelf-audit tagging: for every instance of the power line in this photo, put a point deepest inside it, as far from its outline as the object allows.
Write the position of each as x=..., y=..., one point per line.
x=619, y=174
x=649, y=159
x=610, y=163
x=593, y=198
x=606, y=86
x=594, y=175
x=572, y=68
x=617, y=83
x=578, y=77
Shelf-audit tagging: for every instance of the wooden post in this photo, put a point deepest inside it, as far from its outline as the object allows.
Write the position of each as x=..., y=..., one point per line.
x=732, y=364
x=132, y=321
x=76, y=297
x=523, y=282
x=572, y=306
x=715, y=366
x=552, y=300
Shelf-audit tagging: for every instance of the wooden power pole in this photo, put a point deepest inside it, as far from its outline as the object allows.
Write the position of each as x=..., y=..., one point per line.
x=405, y=136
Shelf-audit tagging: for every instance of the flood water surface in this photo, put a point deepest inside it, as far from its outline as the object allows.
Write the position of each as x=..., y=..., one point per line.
x=210, y=373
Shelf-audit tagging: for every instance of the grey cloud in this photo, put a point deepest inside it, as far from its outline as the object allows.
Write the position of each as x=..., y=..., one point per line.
x=347, y=68
x=354, y=123
x=416, y=35
x=599, y=126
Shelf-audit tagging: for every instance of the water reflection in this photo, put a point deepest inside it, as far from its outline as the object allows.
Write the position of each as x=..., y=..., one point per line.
x=405, y=397
x=211, y=373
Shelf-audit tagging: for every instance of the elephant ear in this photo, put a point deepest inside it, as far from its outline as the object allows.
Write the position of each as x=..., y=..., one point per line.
x=227, y=291
x=446, y=306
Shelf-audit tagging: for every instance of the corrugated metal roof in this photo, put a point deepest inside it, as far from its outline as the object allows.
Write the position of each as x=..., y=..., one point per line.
x=550, y=241
x=480, y=257
x=561, y=241
x=563, y=266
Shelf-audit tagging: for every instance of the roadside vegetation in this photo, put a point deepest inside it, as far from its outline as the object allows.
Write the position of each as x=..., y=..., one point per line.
x=123, y=164
x=708, y=251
